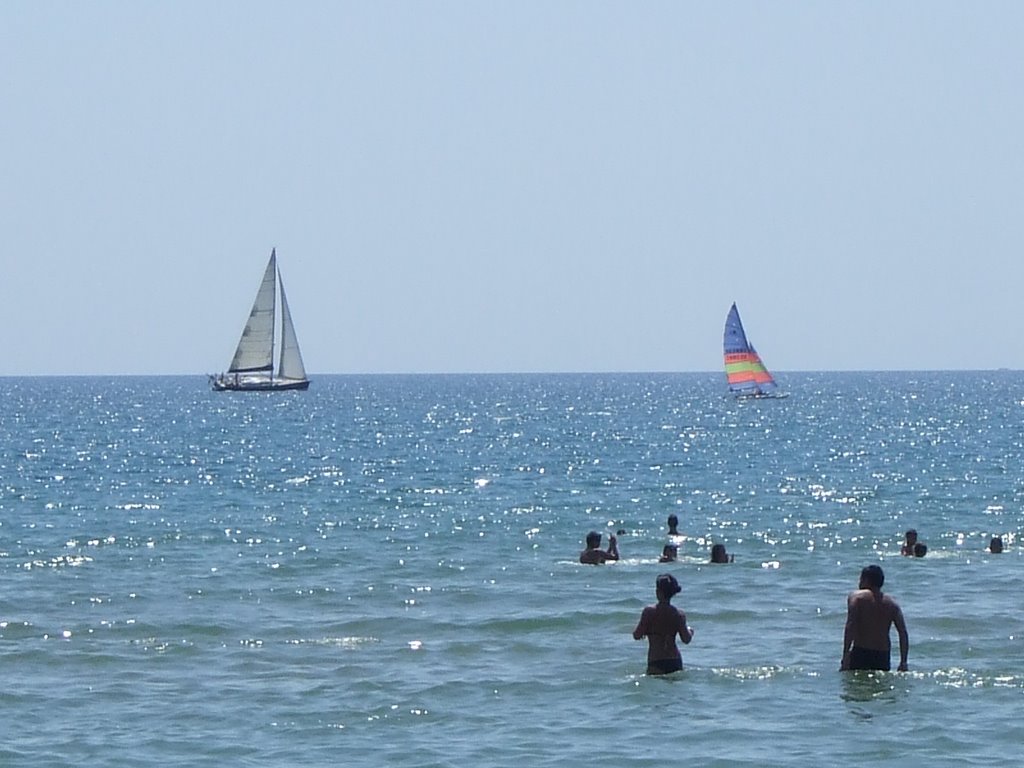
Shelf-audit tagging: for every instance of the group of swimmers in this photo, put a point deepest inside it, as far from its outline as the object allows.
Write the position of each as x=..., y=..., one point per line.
x=870, y=614
x=594, y=555
x=914, y=548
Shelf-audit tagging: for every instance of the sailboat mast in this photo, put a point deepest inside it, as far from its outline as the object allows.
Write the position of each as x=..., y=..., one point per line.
x=277, y=279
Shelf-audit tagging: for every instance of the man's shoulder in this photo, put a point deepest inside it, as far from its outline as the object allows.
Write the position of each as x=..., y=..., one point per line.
x=889, y=601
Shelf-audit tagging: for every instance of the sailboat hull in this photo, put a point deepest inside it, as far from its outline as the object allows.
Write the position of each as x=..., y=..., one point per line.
x=229, y=384
x=761, y=395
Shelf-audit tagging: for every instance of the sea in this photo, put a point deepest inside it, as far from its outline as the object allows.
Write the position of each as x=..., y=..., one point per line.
x=384, y=570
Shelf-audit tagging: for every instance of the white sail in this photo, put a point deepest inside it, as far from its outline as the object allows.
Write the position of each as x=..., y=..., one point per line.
x=291, y=366
x=255, y=352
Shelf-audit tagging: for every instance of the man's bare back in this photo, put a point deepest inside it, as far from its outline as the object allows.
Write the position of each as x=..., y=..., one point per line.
x=869, y=614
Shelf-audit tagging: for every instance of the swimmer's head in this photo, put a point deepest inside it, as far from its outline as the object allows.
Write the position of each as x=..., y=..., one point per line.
x=667, y=585
x=593, y=539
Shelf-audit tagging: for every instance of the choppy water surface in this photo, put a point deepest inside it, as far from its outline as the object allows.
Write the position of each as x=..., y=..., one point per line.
x=382, y=570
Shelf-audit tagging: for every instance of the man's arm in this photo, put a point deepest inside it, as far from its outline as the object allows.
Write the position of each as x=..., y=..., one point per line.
x=844, y=664
x=901, y=630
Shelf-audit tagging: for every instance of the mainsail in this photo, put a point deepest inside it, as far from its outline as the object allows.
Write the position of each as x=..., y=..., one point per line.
x=744, y=371
x=255, y=351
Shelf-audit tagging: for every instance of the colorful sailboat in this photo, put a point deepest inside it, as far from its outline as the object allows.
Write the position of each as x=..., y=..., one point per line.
x=252, y=367
x=744, y=371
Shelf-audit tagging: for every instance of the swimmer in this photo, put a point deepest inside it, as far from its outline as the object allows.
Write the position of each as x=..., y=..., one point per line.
x=660, y=624
x=910, y=540
x=594, y=555
x=869, y=614
x=719, y=555
x=668, y=554
x=996, y=545
x=673, y=525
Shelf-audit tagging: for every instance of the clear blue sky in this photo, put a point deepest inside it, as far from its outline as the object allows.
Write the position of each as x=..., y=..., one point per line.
x=512, y=186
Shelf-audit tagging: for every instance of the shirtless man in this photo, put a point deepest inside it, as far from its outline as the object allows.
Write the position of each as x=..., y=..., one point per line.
x=594, y=555
x=869, y=614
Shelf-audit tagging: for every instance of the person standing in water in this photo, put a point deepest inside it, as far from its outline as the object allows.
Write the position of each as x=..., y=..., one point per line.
x=660, y=624
x=673, y=525
x=594, y=555
x=909, y=541
x=869, y=614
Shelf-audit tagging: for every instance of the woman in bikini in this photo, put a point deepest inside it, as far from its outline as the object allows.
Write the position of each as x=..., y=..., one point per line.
x=660, y=624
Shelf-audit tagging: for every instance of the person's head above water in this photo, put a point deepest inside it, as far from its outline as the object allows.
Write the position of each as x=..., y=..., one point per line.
x=673, y=523
x=872, y=577
x=718, y=554
x=593, y=539
x=666, y=586
x=668, y=553
x=996, y=545
x=920, y=549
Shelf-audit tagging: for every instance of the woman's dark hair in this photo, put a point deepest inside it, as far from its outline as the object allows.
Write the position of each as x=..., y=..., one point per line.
x=667, y=585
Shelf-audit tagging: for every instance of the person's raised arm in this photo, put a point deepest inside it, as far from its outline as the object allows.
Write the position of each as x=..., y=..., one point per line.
x=613, y=548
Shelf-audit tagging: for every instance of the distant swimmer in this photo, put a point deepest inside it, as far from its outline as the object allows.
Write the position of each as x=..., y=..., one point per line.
x=673, y=525
x=910, y=539
x=869, y=614
x=668, y=553
x=660, y=624
x=996, y=545
x=920, y=549
x=719, y=555
x=594, y=555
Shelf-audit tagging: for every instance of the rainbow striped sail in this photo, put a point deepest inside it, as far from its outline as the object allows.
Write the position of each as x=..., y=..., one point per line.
x=744, y=370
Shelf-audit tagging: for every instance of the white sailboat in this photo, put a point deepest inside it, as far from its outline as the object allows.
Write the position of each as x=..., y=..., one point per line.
x=252, y=367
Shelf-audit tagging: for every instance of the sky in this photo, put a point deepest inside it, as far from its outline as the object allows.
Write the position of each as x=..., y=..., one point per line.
x=578, y=186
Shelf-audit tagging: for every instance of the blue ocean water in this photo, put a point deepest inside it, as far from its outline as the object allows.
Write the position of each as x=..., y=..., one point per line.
x=382, y=570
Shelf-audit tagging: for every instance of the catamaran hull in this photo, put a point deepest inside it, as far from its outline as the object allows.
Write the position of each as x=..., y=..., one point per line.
x=258, y=386
x=762, y=396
